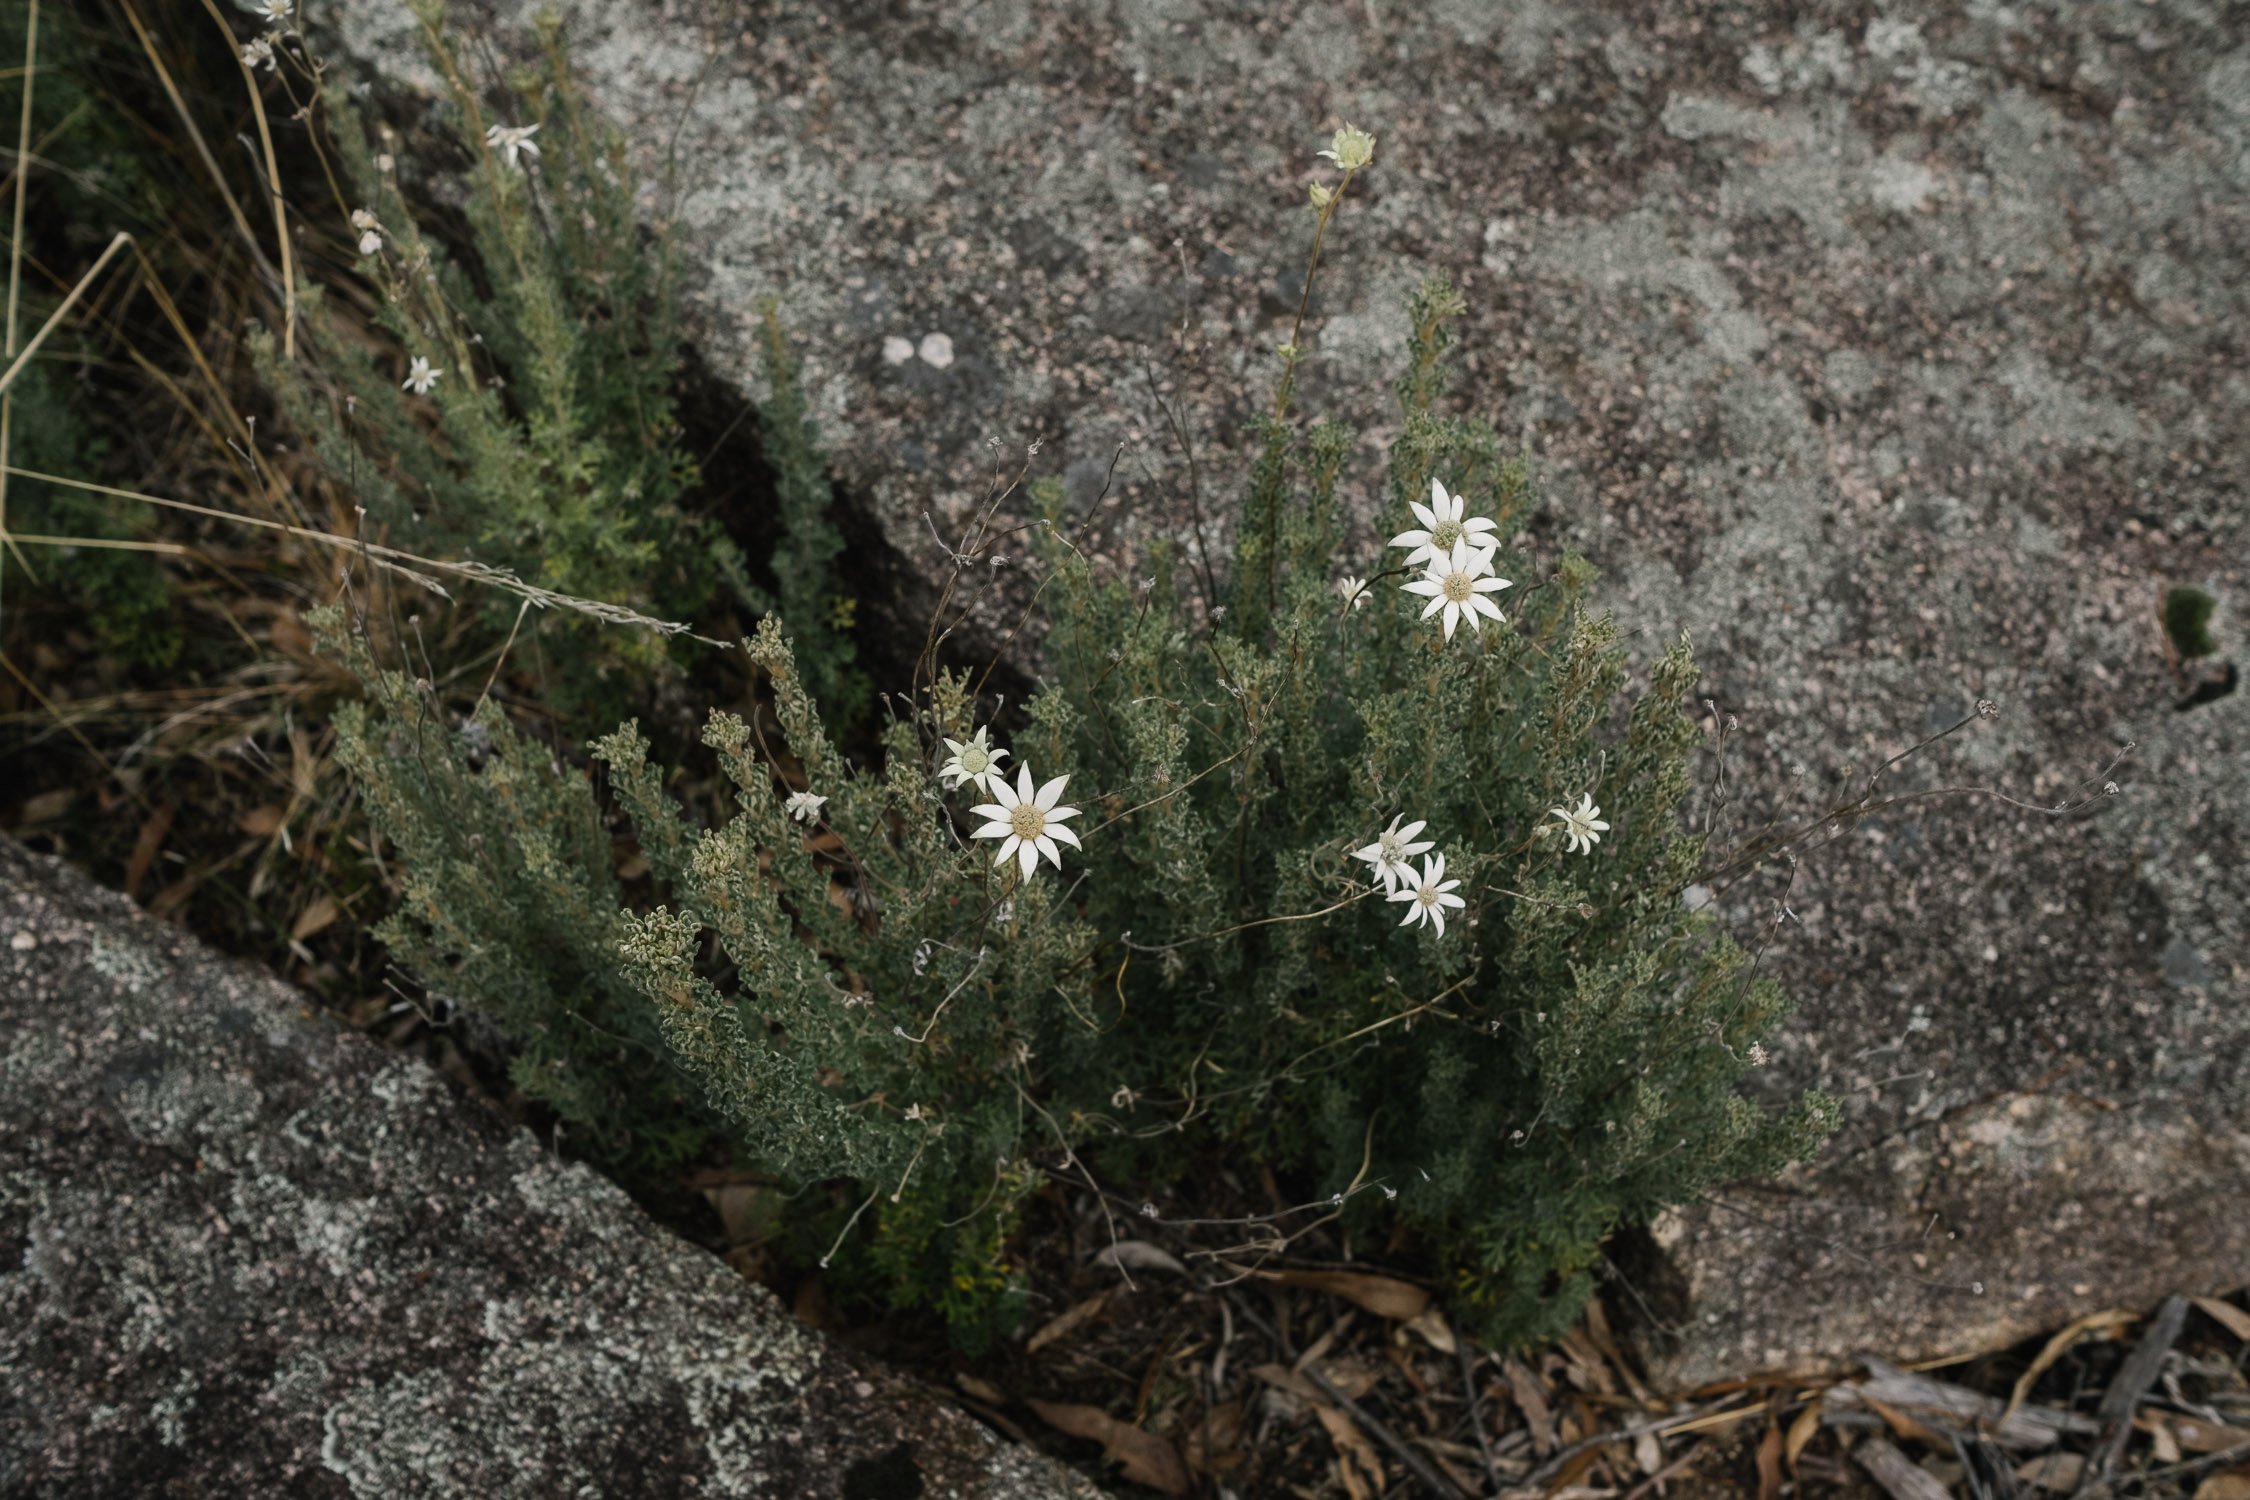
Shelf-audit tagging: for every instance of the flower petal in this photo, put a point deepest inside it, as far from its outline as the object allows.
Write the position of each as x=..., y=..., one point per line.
x=1047, y=847
x=1431, y=515
x=1052, y=792
x=1057, y=814
x=1428, y=588
x=1027, y=859
x=1007, y=847
x=991, y=810
x=1056, y=830
x=994, y=831
x=1023, y=783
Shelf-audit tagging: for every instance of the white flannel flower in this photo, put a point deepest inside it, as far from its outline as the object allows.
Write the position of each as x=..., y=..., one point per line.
x=258, y=53
x=1582, y=824
x=1350, y=148
x=974, y=761
x=510, y=140
x=1442, y=526
x=420, y=377
x=1392, y=848
x=1353, y=590
x=1027, y=824
x=1458, y=584
x=1428, y=895
x=804, y=806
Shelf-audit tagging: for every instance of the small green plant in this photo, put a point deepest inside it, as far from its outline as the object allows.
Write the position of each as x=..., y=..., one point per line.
x=2187, y=622
x=1379, y=883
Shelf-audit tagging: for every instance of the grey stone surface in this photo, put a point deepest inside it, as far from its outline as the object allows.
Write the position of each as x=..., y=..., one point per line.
x=244, y=1253
x=1896, y=351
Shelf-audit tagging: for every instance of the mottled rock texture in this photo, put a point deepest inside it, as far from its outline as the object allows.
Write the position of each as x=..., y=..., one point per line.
x=1896, y=352
x=244, y=1253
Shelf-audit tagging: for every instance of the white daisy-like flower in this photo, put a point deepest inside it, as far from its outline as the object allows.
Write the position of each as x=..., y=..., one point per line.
x=1582, y=824
x=1351, y=148
x=1392, y=848
x=420, y=377
x=1027, y=824
x=804, y=806
x=1353, y=590
x=1428, y=895
x=258, y=53
x=1443, y=525
x=512, y=140
x=272, y=12
x=974, y=761
x=1457, y=584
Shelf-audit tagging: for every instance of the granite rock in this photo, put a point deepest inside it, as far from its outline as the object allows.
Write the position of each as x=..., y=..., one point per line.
x=1894, y=351
x=243, y=1252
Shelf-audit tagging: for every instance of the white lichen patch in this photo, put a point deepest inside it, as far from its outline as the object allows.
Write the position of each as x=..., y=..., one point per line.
x=402, y=1083
x=127, y=964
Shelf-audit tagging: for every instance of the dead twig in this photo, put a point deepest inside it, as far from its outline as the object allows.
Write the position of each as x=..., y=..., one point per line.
x=2131, y=1383
x=1434, y=1481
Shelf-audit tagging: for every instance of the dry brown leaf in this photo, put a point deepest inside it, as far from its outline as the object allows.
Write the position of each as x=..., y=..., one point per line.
x=1769, y=1464
x=984, y=1390
x=47, y=806
x=1904, y=1426
x=1147, y=1458
x=2053, y=1471
x=1067, y=1321
x=314, y=917
x=1431, y=1325
x=1213, y=1445
x=1355, y=1455
x=2232, y=1318
x=2058, y=1346
x=145, y=847
x=1380, y=1295
x=1532, y=1402
x=1138, y=1255
x=175, y=895
x=1800, y=1433
x=2224, y=1487
x=263, y=822
x=2198, y=1436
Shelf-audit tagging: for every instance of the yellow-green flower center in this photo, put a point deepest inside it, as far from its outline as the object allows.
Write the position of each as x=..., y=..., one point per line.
x=1027, y=822
x=1459, y=587
x=1445, y=534
x=974, y=760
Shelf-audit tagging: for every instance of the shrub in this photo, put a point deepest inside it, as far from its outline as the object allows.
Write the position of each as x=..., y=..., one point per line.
x=521, y=410
x=507, y=900
x=864, y=996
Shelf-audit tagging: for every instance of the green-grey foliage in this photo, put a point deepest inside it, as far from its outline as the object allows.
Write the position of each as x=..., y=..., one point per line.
x=886, y=1008
x=549, y=445
x=507, y=901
